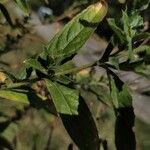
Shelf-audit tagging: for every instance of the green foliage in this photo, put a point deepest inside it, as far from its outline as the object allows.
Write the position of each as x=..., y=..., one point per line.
x=15, y=96
x=120, y=99
x=49, y=66
x=64, y=98
x=116, y=29
x=74, y=35
x=51, y=81
x=129, y=30
x=35, y=64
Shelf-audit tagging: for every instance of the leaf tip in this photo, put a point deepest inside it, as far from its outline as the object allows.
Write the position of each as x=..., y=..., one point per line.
x=102, y=7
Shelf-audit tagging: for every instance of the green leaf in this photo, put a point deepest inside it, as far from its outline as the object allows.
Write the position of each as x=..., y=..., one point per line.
x=64, y=80
x=24, y=73
x=120, y=98
x=65, y=68
x=82, y=128
x=23, y=5
x=76, y=32
x=116, y=29
x=65, y=99
x=27, y=97
x=35, y=64
x=14, y=96
x=18, y=85
x=130, y=24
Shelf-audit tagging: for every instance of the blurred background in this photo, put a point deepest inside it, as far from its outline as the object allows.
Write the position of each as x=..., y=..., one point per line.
x=27, y=128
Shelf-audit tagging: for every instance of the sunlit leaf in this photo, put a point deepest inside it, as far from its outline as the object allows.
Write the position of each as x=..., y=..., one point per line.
x=76, y=32
x=65, y=99
x=27, y=97
x=14, y=96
